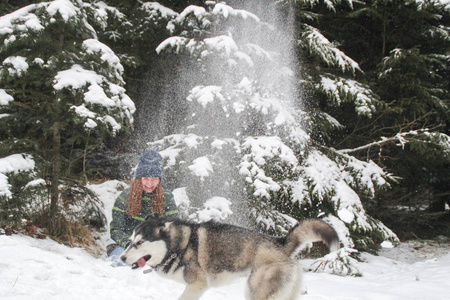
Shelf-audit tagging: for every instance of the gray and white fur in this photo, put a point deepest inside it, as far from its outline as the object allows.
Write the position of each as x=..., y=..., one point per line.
x=212, y=254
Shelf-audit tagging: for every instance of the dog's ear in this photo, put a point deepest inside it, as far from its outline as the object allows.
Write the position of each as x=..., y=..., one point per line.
x=163, y=229
x=167, y=225
x=151, y=216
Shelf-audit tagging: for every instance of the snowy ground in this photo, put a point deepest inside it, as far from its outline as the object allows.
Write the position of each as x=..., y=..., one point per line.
x=43, y=269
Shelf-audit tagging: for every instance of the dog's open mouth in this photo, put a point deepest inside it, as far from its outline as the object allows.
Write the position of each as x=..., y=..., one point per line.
x=141, y=262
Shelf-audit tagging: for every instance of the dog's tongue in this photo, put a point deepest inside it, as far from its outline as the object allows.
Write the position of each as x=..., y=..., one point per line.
x=141, y=262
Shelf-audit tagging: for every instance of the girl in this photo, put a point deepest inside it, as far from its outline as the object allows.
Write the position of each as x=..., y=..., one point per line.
x=145, y=196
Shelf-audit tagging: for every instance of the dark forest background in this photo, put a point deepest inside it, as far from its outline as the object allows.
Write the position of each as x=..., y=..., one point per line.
x=401, y=48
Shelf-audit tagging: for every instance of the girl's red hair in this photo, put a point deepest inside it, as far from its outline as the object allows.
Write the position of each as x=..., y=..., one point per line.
x=135, y=198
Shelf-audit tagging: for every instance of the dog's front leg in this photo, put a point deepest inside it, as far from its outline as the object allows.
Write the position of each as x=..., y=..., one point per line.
x=194, y=291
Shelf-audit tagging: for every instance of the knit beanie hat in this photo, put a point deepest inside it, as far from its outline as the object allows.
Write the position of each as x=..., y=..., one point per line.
x=149, y=165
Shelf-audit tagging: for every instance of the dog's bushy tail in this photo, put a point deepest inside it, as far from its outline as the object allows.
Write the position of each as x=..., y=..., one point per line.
x=311, y=230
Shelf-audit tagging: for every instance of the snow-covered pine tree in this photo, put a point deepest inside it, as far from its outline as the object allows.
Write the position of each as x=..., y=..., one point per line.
x=403, y=48
x=61, y=89
x=413, y=82
x=329, y=76
x=242, y=144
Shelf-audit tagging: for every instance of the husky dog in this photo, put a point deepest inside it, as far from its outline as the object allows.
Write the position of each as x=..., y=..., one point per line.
x=211, y=254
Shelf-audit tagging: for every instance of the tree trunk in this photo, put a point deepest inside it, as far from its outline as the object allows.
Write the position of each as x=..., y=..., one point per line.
x=383, y=35
x=55, y=177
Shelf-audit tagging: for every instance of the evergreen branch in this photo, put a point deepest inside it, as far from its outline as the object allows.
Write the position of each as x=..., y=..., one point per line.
x=398, y=137
x=403, y=138
x=318, y=45
x=376, y=130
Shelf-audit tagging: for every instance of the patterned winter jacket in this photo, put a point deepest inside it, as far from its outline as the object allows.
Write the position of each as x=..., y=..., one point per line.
x=122, y=224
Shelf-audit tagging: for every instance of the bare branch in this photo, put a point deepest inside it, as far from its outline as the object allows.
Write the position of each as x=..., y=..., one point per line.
x=399, y=137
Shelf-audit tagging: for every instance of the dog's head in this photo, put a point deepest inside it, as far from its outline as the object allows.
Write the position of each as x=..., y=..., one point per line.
x=148, y=243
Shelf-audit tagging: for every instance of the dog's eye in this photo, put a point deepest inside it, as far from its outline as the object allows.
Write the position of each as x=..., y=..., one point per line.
x=140, y=242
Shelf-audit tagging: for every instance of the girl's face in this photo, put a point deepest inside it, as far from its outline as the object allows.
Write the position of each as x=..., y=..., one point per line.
x=149, y=183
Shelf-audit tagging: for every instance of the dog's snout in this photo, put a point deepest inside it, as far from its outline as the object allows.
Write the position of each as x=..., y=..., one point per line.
x=123, y=258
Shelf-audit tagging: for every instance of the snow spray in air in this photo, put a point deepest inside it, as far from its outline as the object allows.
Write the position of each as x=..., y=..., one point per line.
x=233, y=93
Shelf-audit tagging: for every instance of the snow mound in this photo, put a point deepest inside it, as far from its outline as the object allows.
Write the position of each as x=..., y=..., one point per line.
x=41, y=269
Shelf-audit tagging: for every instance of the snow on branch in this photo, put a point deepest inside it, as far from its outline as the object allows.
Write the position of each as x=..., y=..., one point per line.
x=13, y=164
x=225, y=11
x=206, y=94
x=33, y=17
x=327, y=52
x=15, y=65
x=177, y=43
x=192, y=10
x=100, y=92
x=346, y=90
x=338, y=262
x=329, y=3
x=215, y=208
x=91, y=46
x=261, y=150
x=5, y=98
x=220, y=46
x=402, y=138
x=156, y=11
